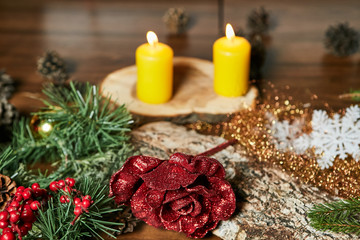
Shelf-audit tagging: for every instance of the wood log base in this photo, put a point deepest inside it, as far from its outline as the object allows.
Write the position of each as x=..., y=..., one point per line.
x=193, y=98
x=270, y=203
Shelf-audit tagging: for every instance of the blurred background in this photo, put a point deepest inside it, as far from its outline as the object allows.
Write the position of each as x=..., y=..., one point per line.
x=98, y=37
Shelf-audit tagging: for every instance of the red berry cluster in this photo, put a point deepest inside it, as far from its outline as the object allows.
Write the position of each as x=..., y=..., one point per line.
x=82, y=203
x=20, y=212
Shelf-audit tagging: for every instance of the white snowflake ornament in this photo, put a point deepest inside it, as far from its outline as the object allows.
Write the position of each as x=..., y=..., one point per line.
x=335, y=136
x=330, y=137
x=284, y=132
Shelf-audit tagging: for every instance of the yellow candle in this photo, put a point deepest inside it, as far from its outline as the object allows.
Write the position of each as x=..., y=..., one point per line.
x=231, y=56
x=154, y=63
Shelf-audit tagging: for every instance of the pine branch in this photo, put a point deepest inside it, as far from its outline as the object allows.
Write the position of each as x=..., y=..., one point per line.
x=27, y=147
x=6, y=159
x=354, y=95
x=85, y=122
x=89, y=137
x=55, y=222
x=98, y=167
x=340, y=216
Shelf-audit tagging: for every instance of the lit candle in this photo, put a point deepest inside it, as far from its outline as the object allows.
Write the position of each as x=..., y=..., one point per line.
x=154, y=63
x=231, y=56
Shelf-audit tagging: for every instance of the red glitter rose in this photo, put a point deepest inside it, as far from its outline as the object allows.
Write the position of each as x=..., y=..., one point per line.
x=185, y=194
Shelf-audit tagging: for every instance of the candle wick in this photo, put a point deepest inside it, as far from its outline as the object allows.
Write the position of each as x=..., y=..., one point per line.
x=153, y=44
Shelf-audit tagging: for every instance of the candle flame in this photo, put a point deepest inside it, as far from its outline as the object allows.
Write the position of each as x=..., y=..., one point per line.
x=230, y=34
x=152, y=38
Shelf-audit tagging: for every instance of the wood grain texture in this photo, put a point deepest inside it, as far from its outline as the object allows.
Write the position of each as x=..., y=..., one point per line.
x=98, y=37
x=193, y=93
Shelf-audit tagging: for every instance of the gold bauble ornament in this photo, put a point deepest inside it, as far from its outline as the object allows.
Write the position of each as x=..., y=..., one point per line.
x=41, y=128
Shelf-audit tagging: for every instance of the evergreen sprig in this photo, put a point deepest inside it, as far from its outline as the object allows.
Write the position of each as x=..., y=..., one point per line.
x=84, y=121
x=340, y=216
x=89, y=140
x=89, y=137
x=98, y=167
x=54, y=221
x=355, y=95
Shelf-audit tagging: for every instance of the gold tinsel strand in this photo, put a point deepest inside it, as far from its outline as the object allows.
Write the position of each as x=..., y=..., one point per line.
x=249, y=127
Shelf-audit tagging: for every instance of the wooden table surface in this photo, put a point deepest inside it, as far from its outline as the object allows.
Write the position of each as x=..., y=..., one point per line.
x=98, y=37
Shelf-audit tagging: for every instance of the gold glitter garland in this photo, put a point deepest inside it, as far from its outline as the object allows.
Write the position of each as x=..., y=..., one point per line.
x=250, y=128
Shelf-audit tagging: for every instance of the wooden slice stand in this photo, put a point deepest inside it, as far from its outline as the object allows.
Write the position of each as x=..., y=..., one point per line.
x=193, y=98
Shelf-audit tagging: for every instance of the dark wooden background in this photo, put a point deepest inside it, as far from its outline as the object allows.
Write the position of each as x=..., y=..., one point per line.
x=98, y=37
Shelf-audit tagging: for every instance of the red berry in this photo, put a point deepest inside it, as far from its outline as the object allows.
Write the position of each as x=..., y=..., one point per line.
x=20, y=189
x=28, y=225
x=14, y=216
x=18, y=193
x=23, y=230
x=54, y=186
x=70, y=182
x=27, y=216
x=35, y=205
x=37, y=193
x=6, y=230
x=64, y=199
x=18, y=198
x=3, y=224
x=87, y=197
x=26, y=194
x=26, y=207
x=77, y=211
x=67, y=189
x=61, y=183
x=12, y=209
x=77, y=201
x=86, y=203
x=35, y=186
x=8, y=236
x=15, y=203
x=4, y=215
x=28, y=202
x=43, y=192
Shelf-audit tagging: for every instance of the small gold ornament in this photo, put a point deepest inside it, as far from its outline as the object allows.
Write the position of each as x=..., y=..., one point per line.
x=41, y=128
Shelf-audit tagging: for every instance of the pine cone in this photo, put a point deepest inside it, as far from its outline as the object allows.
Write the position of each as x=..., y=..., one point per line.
x=52, y=67
x=129, y=221
x=258, y=20
x=258, y=55
x=8, y=113
x=6, y=85
x=8, y=188
x=176, y=19
x=342, y=40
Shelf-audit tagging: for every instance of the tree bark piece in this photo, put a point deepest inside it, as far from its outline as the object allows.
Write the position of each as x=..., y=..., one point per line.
x=271, y=204
x=193, y=95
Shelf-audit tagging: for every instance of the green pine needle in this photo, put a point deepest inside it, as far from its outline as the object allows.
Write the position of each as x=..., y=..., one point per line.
x=54, y=222
x=6, y=158
x=89, y=141
x=340, y=216
x=85, y=122
x=356, y=96
x=89, y=138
